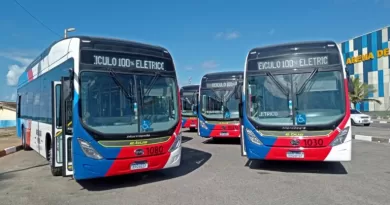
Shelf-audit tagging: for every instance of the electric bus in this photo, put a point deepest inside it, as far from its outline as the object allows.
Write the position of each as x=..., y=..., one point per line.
x=218, y=115
x=295, y=103
x=189, y=98
x=97, y=107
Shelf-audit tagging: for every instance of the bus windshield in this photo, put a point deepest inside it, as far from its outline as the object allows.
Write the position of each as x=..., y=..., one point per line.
x=219, y=104
x=317, y=95
x=109, y=103
x=188, y=100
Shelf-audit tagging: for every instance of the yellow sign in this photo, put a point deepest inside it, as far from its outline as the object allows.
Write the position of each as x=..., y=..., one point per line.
x=294, y=134
x=368, y=56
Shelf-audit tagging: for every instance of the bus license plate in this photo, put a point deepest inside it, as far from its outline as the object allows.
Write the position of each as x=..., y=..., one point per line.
x=295, y=155
x=224, y=133
x=139, y=165
x=193, y=125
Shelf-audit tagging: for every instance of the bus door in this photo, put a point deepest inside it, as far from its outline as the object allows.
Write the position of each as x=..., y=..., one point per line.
x=238, y=95
x=56, y=142
x=67, y=131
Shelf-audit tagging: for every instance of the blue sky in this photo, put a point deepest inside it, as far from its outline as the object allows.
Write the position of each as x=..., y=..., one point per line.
x=203, y=36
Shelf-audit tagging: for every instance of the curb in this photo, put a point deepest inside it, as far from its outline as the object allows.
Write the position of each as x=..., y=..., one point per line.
x=381, y=122
x=10, y=150
x=370, y=138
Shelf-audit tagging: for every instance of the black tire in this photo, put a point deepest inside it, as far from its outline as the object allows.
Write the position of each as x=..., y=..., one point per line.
x=55, y=171
x=353, y=122
x=366, y=125
x=192, y=129
x=24, y=143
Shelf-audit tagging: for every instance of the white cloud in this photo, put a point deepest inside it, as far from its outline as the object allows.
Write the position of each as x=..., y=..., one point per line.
x=271, y=32
x=209, y=64
x=15, y=70
x=228, y=35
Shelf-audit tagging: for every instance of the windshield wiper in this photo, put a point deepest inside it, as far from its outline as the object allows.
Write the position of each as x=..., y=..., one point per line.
x=150, y=86
x=119, y=84
x=312, y=74
x=284, y=91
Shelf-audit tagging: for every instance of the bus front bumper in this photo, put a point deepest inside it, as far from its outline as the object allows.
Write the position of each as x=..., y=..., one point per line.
x=338, y=153
x=87, y=168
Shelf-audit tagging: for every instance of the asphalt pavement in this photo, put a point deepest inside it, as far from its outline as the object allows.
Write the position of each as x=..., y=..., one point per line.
x=211, y=173
x=375, y=129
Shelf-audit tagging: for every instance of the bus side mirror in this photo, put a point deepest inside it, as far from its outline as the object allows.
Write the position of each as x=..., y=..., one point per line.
x=351, y=88
x=238, y=92
x=240, y=109
x=195, y=109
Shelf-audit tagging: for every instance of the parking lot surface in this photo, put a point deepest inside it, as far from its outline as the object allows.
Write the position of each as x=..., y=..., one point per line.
x=377, y=130
x=211, y=173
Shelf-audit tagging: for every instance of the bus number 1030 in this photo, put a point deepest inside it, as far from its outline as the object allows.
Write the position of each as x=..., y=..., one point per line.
x=313, y=142
x=155, y=150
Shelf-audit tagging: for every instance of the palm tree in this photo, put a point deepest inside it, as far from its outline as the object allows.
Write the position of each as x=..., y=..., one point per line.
x=361, y=92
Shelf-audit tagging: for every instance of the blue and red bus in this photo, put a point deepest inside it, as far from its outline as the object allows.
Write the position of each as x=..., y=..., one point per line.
x=189, y=98
x=295, y=103
x=97, y=107
x=218, y=115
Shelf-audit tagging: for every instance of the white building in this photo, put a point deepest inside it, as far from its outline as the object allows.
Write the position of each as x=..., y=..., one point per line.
x=7, y=114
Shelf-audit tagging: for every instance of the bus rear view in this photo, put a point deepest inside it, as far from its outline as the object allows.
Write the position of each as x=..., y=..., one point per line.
x=295, y=103
x=189, y=98
x=218, y=105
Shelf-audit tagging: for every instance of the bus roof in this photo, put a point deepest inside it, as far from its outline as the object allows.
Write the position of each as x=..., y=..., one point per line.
x=299, y=46
x=223, y=74
x=96, y=40
x=189, y=87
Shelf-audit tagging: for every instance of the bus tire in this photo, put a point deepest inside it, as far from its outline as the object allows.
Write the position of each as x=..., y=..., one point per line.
x=55, y=171
x=24, y=143
x=192, y=129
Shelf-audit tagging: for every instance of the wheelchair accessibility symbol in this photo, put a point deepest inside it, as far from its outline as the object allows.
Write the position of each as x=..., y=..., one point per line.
x=227, y=115
x=301, y=119
x=145, y=124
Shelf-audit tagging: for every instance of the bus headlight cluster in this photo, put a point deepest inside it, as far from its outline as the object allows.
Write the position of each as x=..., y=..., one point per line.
x=252, y=137
x=340, y=137
x=203, y=125
x=88, y=150
x=176, y=144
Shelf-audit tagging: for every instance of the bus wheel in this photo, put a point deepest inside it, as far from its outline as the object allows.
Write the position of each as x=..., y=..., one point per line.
x=55, y=171
x=192, y=129
x=24, y=143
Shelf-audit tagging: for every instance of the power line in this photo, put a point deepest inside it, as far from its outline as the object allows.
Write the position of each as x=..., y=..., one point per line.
x=36, y=18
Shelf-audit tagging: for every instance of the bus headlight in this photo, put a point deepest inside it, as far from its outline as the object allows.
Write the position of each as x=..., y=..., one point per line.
x=340, y=137
x=88, y=150
x=252, y=137
x=176, y=144
x=203, y=125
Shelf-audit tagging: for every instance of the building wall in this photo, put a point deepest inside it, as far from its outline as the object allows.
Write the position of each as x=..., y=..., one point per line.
x=367, y=58
x=7, y=118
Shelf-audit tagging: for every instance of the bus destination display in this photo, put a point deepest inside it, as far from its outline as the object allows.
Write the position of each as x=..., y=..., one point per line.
x=221, y=84
x=125, y=61
x=297, y=62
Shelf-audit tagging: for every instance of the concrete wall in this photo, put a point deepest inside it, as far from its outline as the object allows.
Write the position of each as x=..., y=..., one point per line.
x=7, y=118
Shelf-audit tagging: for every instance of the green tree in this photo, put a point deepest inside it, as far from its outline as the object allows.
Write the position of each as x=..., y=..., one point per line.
x=361, y=92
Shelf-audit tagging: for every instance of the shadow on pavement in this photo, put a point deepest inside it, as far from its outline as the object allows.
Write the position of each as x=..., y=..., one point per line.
x=297, y=167
x=191, y=160
x=185, y=139
x=8, y=174
x=229, y=141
